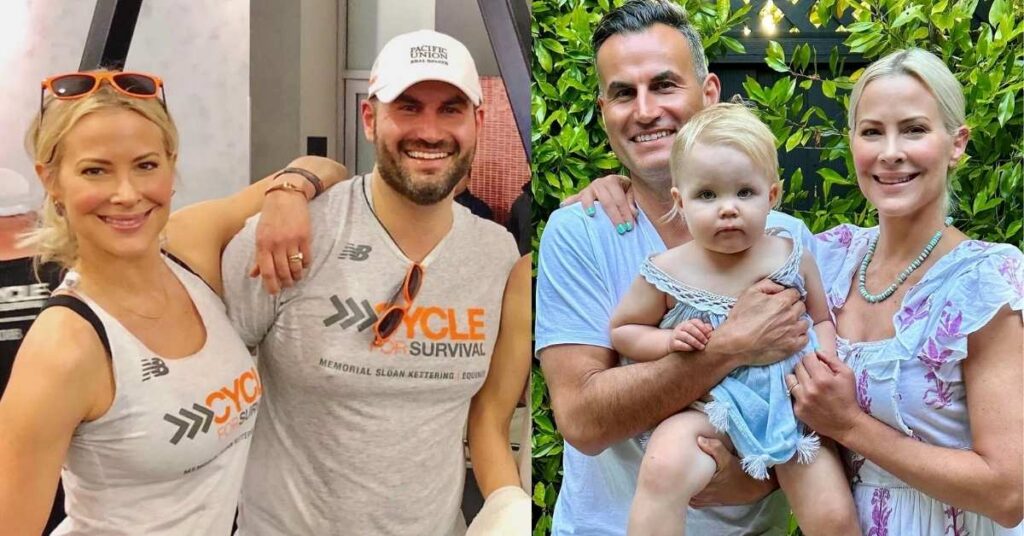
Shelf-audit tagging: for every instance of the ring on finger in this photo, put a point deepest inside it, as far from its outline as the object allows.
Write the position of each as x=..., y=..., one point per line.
x=296, y=257
x=789, y=391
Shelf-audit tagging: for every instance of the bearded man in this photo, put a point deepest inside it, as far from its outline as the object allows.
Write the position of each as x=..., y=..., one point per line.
x=368, y=365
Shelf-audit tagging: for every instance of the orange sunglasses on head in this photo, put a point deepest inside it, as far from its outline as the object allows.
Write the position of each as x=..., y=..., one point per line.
x=70, y=86
x=389, y=320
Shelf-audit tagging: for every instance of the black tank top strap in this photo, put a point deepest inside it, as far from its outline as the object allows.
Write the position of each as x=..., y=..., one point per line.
x=84, y=311
x=181, y=263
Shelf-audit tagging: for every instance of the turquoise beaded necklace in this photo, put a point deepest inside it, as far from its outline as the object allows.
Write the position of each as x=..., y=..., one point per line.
x=902, y=277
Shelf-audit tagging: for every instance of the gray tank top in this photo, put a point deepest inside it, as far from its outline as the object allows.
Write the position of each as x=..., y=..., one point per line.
x=354, y=439
x=168, y=457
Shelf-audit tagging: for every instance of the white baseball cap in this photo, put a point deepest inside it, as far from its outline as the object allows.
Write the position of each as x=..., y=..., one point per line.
x=419, y=56
x=17, y=196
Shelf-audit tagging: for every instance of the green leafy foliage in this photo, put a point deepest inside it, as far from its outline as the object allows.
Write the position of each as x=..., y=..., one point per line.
x=984, y=54
x=983, y=50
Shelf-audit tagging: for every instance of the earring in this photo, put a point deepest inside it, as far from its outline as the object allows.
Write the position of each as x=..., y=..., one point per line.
x=58, y=207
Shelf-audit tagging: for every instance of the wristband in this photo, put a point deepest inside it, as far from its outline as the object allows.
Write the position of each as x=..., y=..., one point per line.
x=318, y=185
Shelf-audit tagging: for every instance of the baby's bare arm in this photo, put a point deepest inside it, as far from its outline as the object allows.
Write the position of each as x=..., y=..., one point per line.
x=635, y=332
x=817, y=305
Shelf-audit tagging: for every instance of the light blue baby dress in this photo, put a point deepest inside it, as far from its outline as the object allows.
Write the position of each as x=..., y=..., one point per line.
x=914, y=381
x=751, y=404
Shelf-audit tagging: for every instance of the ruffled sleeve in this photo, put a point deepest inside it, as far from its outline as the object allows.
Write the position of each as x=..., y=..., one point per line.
x=838, y=252
x=938, y=316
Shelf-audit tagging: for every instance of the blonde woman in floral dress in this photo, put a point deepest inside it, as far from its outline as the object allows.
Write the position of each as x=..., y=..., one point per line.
x=928, y=405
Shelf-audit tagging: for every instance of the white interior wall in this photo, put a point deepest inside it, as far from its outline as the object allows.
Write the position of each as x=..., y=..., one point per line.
x=200, y=49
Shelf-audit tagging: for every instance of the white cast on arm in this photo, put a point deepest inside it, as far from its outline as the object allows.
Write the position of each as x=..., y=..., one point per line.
x=506, y=512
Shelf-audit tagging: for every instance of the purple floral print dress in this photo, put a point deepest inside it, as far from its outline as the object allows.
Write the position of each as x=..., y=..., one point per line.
x=913, y=382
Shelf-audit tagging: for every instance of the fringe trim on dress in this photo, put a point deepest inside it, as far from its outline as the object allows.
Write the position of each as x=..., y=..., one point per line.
x=718, y=415
x=807, y=448
x=756, y=465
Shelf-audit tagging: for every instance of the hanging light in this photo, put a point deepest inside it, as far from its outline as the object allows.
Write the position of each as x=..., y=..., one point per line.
x=770, y=16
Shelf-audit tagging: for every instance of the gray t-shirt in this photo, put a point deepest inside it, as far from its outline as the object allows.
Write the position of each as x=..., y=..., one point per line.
x=354, y=439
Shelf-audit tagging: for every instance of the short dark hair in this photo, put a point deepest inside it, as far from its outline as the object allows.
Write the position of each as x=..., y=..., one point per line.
x=638, y=15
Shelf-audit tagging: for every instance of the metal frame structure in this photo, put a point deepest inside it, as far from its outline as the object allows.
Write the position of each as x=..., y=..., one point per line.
x=110, y=34
x=508, y=28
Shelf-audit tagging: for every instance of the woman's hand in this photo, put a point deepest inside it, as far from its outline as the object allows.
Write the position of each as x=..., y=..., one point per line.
x=616, y=200
x=824, y=395
x=282, y=240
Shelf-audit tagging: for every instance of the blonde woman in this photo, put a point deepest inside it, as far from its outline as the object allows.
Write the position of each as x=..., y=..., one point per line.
x=928, y=405
x=132, y=385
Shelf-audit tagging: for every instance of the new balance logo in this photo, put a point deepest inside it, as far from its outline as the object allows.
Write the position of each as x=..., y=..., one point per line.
x=351, y=314
x=355, y=252
x=152, y=368
x=198, y=421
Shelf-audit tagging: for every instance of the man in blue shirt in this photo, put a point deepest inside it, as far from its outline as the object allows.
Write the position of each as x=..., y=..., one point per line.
x=653, y=77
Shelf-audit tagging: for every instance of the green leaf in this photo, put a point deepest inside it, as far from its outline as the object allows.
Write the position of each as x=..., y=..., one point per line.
x=990, y=204
x=910, y=14
x=547, y=89
x=1012, y=229
x=722, y=9
x=1005, y=109
x=733, y=44
x=831, y=177
x=543, y=423
x=543, y=58
x=862, y=27
x=828, y=88
x=823, y=11
x=553, y=45
x=794, y=140
x=943, y=20
x=796, y=181
x=939, y=7
x=754, y=90
x=606, y=163
x=538, y=494
x=777, y=65
x=802, y=56
x=996, y=13
x=979, y=201
x=776, y=58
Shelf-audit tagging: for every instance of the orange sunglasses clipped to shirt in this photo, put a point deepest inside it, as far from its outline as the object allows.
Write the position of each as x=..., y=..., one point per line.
x=70, y=86
x=391, y=318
